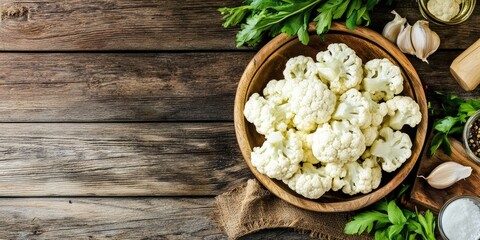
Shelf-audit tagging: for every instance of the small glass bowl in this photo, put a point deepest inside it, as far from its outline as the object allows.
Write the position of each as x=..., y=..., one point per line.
x=474, y=199
x=466, y=135
x=466, y=9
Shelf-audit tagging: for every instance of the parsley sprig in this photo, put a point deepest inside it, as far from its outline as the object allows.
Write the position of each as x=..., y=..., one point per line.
x=391, y=222
x=258, y=18
x=451, y=114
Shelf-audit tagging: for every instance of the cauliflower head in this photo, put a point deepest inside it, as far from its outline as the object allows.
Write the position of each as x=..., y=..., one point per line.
x=279, y=156
x=362, y=177
x=392, y=149
x=403, y=110
x=383, y=79
x=300, y=68
x=277, y=91
x=267, y=116
x=310, y=181
x=354, y=108
x=311, y=103
x=340, y=67
x=339, y=142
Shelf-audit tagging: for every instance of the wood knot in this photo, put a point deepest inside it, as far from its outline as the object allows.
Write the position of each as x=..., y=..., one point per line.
x=14, y=11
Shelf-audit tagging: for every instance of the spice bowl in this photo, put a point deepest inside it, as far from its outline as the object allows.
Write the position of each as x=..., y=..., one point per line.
x=471, y=137
x=465, y=10
x=459, y=218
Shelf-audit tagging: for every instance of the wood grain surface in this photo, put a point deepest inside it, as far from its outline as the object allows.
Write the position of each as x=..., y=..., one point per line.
x=106, y=159
x=79, y=25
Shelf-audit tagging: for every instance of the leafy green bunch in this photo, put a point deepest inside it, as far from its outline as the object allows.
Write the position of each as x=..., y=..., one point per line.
x=258, y=18
x=445, y=124
x=391, y=222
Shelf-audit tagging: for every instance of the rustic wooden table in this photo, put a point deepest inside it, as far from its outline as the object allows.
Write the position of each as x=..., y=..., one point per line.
x=116, y=115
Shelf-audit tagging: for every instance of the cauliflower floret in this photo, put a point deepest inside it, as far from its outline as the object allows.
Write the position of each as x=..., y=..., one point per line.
x=370, y=133
x=279, y=156
x=312, y=103
x=354, y=108
x=340, y=67
x=337, y=172
x=382, y=79
x=362, y=177
x=339, y=142
x=403, y=110
x=378, y=110
x=277, y=91
x=266, y=116
x=300, y=68
x=310, y=182
x=307, y=147
x=392, y=149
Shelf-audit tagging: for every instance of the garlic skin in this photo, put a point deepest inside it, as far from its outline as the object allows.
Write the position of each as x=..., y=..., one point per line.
x=446, y=174
x=424, y=40
x=404, y=40
x=393, y=28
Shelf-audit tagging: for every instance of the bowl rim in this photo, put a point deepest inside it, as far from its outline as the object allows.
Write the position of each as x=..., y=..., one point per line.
x=359, y=201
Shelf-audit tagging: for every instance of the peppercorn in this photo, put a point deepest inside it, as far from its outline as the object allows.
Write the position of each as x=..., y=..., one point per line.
x=474, y=137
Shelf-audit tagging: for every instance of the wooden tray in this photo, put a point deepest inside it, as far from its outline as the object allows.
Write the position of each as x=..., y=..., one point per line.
x=425, y=196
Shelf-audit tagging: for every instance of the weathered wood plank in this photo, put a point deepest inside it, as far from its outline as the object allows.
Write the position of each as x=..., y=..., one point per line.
x=86, y=87
x=129, y=159
x=119, y=87
x=79, y=25
x=116, y=218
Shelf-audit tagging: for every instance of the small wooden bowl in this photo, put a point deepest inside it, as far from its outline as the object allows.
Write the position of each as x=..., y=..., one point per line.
x=269, y=63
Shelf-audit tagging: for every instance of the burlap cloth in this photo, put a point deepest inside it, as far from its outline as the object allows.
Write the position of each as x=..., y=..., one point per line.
x=250, y=208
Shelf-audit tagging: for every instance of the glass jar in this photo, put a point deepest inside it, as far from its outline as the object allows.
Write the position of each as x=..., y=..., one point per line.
x=466, y=136
x=442, y=222
x=466, y=9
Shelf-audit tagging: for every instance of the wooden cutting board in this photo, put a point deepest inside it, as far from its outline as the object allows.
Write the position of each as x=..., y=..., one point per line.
x=424, y=195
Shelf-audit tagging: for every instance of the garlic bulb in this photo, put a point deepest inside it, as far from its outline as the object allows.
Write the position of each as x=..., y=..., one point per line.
x=404, y=40
x=392, y=28
x=424, y=40
x=446, y=174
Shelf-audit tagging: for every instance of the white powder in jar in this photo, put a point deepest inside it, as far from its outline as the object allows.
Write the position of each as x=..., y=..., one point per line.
x=461, y=220
x=444, y=9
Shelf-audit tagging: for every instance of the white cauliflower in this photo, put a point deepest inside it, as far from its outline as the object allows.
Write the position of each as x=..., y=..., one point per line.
x=307, y=147
x=310, y=182
x=339, y=142
x=340, y=67
x=362, y=177
x=300, y=68
x=403, y=110
x=279, y=156
x=337, y=171
x=382, y=79
x=377, y=110
x=392, y=149
x=371, y=134
x=312, y=103
x=354, y=108
x=267, y=116
x=277, y=91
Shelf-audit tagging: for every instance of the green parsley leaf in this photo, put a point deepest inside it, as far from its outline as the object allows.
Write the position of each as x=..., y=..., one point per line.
x=395, y=214
x=365, y=221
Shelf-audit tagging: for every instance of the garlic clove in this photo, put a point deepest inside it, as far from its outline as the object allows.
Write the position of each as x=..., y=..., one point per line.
x=392, y=28
x=404, y=40
x=446, y=174
x=424, y=40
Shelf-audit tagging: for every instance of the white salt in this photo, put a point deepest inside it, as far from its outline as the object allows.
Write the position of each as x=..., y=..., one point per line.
x=461, y=220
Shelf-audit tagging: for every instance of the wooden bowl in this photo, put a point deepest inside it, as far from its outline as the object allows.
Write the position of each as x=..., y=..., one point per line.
x=269, y=63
